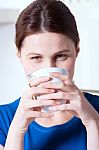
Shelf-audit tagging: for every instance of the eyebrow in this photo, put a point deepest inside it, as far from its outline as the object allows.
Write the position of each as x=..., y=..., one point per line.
x=65, y=50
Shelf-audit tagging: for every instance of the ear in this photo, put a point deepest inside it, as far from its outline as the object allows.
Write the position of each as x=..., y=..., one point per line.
x=77, y=50
x=18, y=53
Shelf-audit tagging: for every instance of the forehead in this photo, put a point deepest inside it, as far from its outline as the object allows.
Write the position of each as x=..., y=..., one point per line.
x=46, y=42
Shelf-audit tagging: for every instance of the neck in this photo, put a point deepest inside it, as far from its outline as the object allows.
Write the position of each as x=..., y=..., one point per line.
x=58, y=118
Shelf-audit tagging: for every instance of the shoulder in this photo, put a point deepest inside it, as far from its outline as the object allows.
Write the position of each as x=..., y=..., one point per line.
x=93, y=99
x=7, y=111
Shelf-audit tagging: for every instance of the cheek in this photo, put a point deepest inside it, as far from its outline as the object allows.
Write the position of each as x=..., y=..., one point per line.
x=27, y=67
x=70, y=65
x=30, y=67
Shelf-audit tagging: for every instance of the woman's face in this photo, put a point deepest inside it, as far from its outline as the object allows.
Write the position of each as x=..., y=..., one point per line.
x=48, y=49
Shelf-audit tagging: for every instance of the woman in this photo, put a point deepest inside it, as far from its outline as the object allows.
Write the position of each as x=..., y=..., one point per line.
x=47, y=36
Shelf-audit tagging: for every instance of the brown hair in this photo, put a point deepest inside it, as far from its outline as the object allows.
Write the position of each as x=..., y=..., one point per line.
x=48, y=15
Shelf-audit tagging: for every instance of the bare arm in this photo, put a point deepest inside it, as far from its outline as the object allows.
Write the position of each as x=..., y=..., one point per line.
x=14, y=139
x=78, y=105
x=27, y=111
x=1, y=147
x=93, y=136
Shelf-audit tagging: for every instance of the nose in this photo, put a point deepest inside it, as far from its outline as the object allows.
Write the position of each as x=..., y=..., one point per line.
x=50, y=63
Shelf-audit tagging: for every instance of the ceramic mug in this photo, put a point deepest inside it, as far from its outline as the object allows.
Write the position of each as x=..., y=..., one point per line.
x=46, y=72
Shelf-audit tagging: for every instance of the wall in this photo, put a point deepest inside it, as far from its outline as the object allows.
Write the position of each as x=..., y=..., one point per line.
x=87, y=16
x=12, y=77
x=14, y=3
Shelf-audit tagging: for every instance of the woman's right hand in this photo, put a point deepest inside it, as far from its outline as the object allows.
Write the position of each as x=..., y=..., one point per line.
x=30, y=109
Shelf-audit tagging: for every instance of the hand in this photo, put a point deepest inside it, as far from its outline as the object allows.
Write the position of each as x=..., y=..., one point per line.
x=75, y=102
x=30, y=109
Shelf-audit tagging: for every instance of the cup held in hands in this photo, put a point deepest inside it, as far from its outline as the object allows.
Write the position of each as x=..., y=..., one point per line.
x=46, y=72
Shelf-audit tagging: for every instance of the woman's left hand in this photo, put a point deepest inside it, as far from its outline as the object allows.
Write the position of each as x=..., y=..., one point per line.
x=75, y=102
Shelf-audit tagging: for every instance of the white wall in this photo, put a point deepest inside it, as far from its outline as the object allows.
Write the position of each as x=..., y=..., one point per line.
x=14, y=3
x=87, y=68
x=12, y=77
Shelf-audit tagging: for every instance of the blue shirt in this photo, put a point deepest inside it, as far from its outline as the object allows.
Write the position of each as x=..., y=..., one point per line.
x=68, y=136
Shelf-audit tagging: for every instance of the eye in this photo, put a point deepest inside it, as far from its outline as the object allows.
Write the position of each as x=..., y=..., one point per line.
x=36, y=58
x=61, y=57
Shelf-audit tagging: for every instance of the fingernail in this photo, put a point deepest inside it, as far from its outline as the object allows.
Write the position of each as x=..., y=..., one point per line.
x=52, y=90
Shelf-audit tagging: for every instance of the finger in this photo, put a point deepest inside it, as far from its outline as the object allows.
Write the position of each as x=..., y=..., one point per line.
x=58, y=96
x=59, y=75
x=36, y=114
x=61, y=97
x=60, y=86
x=39, y=80
x=52, y=85
x=28, y=104
x=62, y=77
x=35, y=91
x=63, y=107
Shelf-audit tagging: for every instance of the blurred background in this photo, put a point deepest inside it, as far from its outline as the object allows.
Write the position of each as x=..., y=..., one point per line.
x=12, y=78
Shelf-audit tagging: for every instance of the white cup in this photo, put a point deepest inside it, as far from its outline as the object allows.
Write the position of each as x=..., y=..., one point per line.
x=46, y=72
